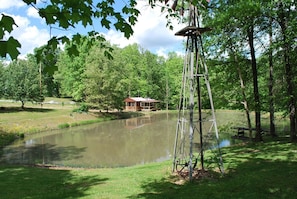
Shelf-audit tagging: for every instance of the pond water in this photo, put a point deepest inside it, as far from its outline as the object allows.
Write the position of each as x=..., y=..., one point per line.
x=116, y=143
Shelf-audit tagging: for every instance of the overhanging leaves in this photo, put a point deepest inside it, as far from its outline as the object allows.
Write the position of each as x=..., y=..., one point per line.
x=66, y=14
x=10, y=47
x=6, y=24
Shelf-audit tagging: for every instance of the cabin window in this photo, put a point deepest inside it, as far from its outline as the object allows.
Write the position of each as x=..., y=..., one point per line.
x=130, y=103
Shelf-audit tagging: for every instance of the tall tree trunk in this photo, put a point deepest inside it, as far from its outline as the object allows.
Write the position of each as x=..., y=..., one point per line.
x=271, y=84
x=244, y=102
x=250, y=33
x=288, y=71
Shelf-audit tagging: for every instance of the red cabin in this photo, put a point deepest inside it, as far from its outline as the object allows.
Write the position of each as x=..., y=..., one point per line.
x=140, y=104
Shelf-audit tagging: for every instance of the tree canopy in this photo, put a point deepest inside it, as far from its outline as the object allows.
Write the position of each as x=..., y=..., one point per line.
x=22, y=82
x=67, y=14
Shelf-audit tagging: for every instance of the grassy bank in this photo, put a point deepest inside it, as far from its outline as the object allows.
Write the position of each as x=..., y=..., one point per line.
x=265, y=170
x=55, y=113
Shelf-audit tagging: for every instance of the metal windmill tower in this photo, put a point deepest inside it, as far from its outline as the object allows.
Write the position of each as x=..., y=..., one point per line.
x=194, y=128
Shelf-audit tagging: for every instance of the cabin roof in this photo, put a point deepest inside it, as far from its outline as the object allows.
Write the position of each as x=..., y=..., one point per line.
x=140, y=99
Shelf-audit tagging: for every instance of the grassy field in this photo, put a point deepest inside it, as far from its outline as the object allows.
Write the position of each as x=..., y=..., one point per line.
x=264, y=170
x=55, y=113
x=33, y=118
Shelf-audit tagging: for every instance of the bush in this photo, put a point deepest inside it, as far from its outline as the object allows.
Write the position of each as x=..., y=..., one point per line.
x=7, y=138
x=63, y=126
x=83, y=108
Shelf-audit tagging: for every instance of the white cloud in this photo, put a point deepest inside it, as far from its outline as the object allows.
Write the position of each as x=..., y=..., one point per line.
x=150, y=32
x=162, y=52
x=32, y=12
x=20, y=21
x=118, y=38
x=29, y=35
x=6, y=4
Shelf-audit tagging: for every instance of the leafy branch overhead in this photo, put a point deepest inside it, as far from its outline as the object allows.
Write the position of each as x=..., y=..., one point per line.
x=69, y=14
x=11, y=44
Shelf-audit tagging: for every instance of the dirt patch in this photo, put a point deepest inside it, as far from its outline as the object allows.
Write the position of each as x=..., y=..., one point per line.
x=182, y=177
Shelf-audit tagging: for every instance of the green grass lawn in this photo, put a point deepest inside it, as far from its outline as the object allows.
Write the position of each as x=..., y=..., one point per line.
x=264, y=170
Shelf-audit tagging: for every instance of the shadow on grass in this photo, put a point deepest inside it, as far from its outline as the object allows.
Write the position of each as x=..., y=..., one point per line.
x=35, y=183
x=259, y=171
x=19, y=109
x=31, y=154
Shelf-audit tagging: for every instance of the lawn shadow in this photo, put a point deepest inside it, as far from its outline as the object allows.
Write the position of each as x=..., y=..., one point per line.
x=257, y=171
x=252, y=179
x=25, y=109
x=35, y=183
x=31, y=154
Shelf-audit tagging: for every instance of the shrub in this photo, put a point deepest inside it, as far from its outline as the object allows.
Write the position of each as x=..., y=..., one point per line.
x=7, y=138
x=83, y=108
x=63, y=126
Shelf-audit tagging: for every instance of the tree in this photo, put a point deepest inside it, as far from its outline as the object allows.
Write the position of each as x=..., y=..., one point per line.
x=48, y=85
x=21, y=82
x=285, y=13
x=134, y=70
x=104, y=82
x=65, y=14
x=271, y=73
x=154, y=74
x=70, y=74
x=173, y=77
x=2, y=75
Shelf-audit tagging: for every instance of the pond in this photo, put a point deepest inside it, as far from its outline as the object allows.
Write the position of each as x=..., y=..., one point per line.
x=116, y=143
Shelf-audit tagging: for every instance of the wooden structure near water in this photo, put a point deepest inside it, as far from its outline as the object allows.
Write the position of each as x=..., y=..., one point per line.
x=240, y=133
x=141, y=104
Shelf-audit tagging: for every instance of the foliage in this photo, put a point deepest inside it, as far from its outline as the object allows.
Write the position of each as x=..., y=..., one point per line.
x=63, y=126
x=22, y=82
x=246, y=25
x=11, y=44
x=104, y=83
x=2, y=75
x=7, y=138
x=103, y=78
x=82, y=108
x=71, y=71
x=173, y=77
x=65, y=14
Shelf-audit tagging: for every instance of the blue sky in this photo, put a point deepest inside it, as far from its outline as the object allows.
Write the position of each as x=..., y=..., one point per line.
x=150, y=32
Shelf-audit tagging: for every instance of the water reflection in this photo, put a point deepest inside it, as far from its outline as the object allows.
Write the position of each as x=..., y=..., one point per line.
x=108, y=144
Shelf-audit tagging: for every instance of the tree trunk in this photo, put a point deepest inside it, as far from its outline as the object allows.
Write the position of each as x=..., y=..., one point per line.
x=271, y=84
x=23, y=104
x=288, y=71
x=250, y=33
x=245, y=103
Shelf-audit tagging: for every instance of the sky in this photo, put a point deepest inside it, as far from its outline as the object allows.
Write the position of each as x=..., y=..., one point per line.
x=150, y=32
